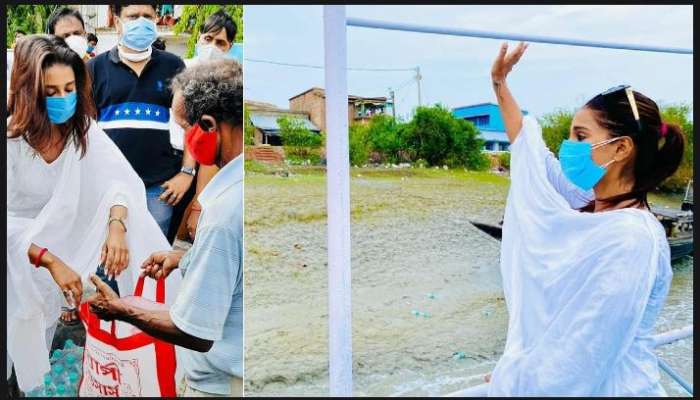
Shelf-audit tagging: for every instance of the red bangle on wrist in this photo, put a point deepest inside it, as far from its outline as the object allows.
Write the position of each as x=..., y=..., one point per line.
x=37, y=262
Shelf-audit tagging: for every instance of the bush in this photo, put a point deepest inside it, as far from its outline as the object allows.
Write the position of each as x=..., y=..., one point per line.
x=359, y=144
x=384, y=137
x=504, y=160
x=439, y=138
x=556, y=127
x=679, y=114
x=248, y=128
x=298, y=141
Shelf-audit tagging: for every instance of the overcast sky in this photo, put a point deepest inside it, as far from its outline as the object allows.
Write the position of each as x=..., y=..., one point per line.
x=456, y=69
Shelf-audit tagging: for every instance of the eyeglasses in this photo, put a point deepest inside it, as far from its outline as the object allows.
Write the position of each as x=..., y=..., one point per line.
x=630, y=99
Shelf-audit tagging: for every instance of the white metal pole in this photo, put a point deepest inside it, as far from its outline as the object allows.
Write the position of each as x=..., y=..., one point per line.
x=338, y=202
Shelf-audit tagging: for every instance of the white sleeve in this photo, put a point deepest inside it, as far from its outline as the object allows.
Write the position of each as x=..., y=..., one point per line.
x=531, y=149
x=574, y=195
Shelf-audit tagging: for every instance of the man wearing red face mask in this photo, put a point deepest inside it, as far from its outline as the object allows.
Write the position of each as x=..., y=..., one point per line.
x=206, y=318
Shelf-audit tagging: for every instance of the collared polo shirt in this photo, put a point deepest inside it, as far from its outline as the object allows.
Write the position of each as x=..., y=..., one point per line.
x=210, y=302
x=134, y=111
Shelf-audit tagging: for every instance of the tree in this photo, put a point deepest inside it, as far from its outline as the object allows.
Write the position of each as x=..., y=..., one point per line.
x=28, y=18
x=358, y=144
x=194, y=16
x=298, y=141
x=248, y=128
x=436, y=136
x=555, y=128
x=680, y=114
x=383, y=136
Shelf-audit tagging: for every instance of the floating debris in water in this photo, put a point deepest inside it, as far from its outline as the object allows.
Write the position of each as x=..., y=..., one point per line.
x=415, y=313
x=459, y=355
x=432, y=296
x=486, y=313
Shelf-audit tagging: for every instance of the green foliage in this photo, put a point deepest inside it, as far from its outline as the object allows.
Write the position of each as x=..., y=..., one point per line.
x=555, y=128
x=504, y=160
x=436, y=136
x=299, y=142
x=28, y=18
x=359, y=144
x=193, y=17
x=384, y=137
x=248, y=128
x=680, y=114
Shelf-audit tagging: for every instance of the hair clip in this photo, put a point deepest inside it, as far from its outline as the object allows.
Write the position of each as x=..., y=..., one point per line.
x=664, y=129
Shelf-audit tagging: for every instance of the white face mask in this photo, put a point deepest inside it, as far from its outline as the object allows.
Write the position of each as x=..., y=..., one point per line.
x=135, y=57
x=78, y=44
x=206, y=52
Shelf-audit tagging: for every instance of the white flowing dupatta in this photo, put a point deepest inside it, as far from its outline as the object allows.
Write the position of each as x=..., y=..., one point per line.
x=73, y=226
x=582, y=289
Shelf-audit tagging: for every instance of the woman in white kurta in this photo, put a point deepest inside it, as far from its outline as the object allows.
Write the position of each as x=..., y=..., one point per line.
x=585, y=264
x=72, y=198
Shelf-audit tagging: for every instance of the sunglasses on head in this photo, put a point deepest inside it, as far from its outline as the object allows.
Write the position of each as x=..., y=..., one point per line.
x=630, y=99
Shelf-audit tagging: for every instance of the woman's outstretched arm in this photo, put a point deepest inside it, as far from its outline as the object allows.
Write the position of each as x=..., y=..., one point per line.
x=510, y=111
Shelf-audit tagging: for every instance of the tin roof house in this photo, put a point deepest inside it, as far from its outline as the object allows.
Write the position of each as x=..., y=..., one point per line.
x=487, y=118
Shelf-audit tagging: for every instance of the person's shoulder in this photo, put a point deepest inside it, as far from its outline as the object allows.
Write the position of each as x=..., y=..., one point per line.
x=169, y=58
x=99, y=59
x=634, y=230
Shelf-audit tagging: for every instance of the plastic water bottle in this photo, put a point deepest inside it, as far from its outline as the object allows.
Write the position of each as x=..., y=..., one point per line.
x=73, y=379
x=61, y=390
x=57, y=354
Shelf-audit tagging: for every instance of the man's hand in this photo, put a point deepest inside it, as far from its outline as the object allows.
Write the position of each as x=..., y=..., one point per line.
x=105, y=304
x=176, y=187
x=192, y=221
x=160, y=264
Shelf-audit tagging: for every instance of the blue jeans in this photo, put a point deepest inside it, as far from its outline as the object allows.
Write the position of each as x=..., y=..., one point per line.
x=160, y=210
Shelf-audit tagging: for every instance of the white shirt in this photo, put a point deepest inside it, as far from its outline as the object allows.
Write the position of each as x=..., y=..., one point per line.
x=583, y=290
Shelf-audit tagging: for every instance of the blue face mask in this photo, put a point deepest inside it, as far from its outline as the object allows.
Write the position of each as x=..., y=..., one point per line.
x=235, y=53
x=577, y=164
x=60, y=109
x=90, y=49
x=138, y=34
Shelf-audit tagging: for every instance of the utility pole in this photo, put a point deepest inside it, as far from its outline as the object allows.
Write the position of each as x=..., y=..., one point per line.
x=418, y=78
x=393, y=102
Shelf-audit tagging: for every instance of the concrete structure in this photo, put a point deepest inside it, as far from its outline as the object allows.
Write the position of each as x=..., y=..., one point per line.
x=360, y=109
x=264, y=118
x=487, y=118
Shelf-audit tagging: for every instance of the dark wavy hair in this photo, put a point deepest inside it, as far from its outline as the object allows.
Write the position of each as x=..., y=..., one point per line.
x=657, y=157
x=218, y=21
x=59, y=14
x=214, y=88
x=27, y=100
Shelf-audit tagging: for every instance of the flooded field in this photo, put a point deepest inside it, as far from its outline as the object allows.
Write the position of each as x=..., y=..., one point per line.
x=428, y=312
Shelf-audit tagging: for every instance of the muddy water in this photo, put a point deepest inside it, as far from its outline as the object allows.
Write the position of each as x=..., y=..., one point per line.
x=413, y=251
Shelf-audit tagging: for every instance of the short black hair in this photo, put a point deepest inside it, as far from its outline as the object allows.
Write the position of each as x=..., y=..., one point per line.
x=117, y=8
x=214, y=88
x=91, y=37
x=61, y=13
x=220, y=20
x=20, y=31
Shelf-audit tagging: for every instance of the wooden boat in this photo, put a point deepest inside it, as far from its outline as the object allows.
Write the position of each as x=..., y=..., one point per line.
x=678, y=224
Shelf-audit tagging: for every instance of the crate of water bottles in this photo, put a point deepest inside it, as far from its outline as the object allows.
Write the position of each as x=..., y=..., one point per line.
x=63, y=378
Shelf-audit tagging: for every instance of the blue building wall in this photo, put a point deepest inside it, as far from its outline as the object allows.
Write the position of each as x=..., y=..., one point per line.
x=487, y=118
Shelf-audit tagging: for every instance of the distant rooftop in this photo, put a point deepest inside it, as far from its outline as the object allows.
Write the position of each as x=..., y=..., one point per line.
x=351, y=97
